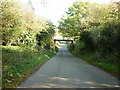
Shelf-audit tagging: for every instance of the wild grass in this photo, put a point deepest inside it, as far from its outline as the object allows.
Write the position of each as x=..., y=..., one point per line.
x=19, y=62
x=92, y=58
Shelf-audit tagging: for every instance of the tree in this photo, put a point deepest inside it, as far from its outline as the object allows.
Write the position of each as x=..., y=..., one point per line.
x=72, y=24
x=45, y=37
x=12, y=21
x=96, y=27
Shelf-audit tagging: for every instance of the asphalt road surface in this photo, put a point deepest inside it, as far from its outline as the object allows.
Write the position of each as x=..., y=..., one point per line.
x=67, y=71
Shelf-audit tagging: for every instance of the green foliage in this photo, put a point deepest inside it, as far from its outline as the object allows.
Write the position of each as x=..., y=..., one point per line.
x=20, y=28
x=85, y=36
x=93, y=58
x=45, y=38
x=70, y=26
x=97, y=28
x=19, y=62
x=12, y=21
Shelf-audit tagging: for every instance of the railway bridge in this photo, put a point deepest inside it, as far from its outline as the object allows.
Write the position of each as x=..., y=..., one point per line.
x=65, y=39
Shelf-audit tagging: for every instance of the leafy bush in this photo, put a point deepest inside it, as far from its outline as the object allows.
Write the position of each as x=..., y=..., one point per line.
x=19, y=62
x=20, y=28
x=97, y=28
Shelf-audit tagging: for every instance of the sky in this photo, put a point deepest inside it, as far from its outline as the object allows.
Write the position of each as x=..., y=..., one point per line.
x=54, y=9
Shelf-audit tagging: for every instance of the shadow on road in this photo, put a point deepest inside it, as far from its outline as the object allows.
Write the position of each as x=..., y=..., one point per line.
x=67, y=71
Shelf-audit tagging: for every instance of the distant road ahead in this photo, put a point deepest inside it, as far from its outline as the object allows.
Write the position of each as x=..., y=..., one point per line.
x=67, y=71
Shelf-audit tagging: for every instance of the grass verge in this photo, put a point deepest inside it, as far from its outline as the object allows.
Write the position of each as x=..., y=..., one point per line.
x=18, y=63
x=91, y=57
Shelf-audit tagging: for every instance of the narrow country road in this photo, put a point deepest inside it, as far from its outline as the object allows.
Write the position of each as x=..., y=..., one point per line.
x=67, y=71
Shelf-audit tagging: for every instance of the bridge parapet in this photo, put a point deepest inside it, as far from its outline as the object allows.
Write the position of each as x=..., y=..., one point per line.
x=63, y=40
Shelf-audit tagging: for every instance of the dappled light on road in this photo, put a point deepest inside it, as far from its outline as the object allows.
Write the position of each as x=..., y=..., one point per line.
x=60, y=78
x=61, y=82
x=67, y=71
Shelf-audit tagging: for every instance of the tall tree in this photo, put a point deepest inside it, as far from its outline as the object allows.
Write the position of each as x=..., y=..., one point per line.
x=12, y=21
x=72, y=24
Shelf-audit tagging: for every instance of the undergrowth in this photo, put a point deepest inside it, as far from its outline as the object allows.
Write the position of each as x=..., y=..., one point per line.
x=94, y=59
x=19, y=62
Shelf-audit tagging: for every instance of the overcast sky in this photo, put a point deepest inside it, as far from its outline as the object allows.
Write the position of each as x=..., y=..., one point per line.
x=54, y=9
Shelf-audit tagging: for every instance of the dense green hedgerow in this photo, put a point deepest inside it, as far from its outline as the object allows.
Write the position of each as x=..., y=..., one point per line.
x=19, y=62
x=93, y=58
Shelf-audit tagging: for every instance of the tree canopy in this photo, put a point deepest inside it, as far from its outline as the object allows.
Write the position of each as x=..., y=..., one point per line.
x=20, y=25
x=96, y=26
